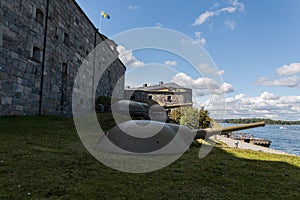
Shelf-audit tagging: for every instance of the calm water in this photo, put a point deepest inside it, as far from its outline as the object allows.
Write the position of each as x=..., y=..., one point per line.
x=287, y=139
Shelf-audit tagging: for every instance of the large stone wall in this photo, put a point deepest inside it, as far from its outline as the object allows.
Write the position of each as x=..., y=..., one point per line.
x=70, y=38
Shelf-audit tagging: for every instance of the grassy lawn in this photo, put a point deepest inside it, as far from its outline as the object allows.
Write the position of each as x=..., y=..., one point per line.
x=42, y=157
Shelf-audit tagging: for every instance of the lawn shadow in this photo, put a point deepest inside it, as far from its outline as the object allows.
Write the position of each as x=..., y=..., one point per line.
x=43, y=157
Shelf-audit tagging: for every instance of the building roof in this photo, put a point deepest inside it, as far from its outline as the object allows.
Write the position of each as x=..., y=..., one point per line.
x=160, y=86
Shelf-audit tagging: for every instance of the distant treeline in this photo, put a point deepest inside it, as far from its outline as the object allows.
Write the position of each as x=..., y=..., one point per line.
x=253, y=120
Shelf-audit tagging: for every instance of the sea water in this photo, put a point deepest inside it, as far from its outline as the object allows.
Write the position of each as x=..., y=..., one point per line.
x=284, y=138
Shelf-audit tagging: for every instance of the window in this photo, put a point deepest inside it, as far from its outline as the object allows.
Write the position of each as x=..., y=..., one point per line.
x=150, y=97
x=66, y=38
x=64, y=70
x=76, y=21
x=169, y=98
x=39, y=16
x=55, y=32
x=36, y=54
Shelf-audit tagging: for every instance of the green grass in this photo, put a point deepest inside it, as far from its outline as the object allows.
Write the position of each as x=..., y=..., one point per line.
x=43, y=156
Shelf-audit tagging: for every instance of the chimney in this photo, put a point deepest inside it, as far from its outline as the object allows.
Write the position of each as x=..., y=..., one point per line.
x=145, y=85
x=161, y=82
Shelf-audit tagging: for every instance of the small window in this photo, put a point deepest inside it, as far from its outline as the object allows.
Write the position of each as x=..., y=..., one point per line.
x=76, y=21
x=55, y=32
x=39, y=16
x=36, y=54
x=66, y=38
x=64, y=70
x=169, y=98
x=150, y=97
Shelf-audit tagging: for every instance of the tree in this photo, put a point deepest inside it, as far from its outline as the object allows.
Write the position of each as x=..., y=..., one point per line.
x=204, y=119
x=191, y=117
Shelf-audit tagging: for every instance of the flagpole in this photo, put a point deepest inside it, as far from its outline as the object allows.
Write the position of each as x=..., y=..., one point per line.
x=100, y=24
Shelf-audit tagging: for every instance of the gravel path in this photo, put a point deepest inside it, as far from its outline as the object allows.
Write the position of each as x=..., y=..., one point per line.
x=244, y=145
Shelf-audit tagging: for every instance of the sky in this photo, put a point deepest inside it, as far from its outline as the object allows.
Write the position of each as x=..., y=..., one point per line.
x=254, y=44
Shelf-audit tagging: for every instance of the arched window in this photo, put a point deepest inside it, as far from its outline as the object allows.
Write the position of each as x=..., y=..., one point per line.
x=39, y=16
x=36, y=54
x=66, y=39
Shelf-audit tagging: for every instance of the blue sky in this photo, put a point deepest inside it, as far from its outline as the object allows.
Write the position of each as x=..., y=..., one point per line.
x=254, y=43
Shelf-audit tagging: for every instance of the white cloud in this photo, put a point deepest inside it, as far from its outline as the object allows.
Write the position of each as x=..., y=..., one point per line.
x=207, y=69
x=268, y=96
x=171, y=63
x=287, y=70
x=199, y=39
x=203, y=17
x=131, y=7
x=239, y=96
x=217, y=4
x=233, y=7
x=126, y=56
x=158, y=25
x=202, y=86
x=230, y=24
x=263, y=106
x=240, y=6
x=225, y=88
x=287, y=81
x=284, y=82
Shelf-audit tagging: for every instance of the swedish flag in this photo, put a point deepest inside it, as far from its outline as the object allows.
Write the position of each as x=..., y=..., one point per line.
x=105, y=15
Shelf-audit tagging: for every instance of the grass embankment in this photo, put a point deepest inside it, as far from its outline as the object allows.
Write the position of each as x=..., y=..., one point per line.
x=42, y=157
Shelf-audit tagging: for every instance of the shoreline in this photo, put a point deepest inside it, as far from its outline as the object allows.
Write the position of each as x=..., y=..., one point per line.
x=244, y=145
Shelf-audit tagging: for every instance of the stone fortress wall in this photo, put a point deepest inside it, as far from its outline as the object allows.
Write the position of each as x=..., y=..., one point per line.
x=42, y=45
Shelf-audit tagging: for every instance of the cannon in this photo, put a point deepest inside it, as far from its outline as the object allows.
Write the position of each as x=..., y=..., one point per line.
x=143, y=111
x=142, y=136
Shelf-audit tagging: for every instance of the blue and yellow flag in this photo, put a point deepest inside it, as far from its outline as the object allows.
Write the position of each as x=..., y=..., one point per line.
x=105, y=15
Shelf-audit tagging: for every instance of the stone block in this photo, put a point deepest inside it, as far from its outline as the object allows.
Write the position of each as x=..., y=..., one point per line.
x=28, y=69
x=19, y=80
x=6, y=100
x=2, y=58
x=55, y=88
x=27, y=90
x=20, y=88
x=18, y=95
x=14, y=113
x=14, y=55
x=19, y=108
x=21, y=67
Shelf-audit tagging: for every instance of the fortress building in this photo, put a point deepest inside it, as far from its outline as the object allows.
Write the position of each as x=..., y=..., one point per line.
x=42, y=45
x=165, y=94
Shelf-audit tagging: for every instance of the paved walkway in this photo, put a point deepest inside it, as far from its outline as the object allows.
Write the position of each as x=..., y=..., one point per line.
x=244, y=145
